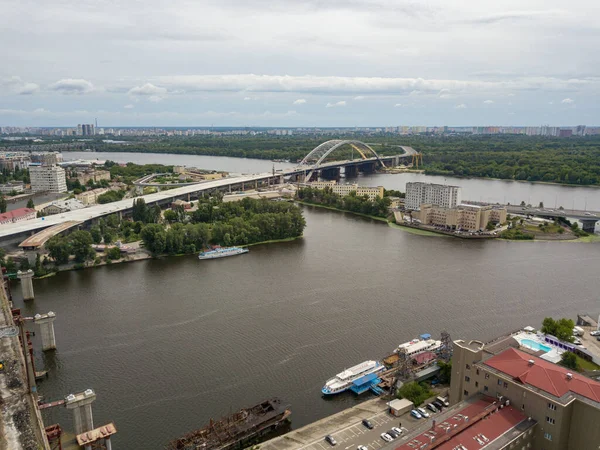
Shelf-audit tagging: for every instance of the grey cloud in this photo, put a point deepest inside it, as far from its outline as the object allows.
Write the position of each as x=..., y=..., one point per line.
x=515, y=15
x=18, y=86
x=72, y=86
x=147, y=89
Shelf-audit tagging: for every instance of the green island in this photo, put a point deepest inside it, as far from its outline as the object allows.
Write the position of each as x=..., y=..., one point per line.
x=510, y=157
x=377, y=209
x=171, y=232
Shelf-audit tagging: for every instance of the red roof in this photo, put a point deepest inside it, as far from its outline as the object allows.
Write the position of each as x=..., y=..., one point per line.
x=483, y=424
x=543, y=374
x=15, y=214
x=422, y=358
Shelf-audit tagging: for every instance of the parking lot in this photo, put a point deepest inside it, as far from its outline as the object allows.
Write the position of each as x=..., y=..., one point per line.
x=358, y=434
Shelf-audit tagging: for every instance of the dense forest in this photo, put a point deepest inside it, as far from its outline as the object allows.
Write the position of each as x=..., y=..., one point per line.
x=571, y=160
x=362, y=205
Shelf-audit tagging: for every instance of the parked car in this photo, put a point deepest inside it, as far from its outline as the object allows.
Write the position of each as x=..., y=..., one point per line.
x=443, y=400
x=329, y=438
x=432, y=407
x=598, y=338
x=397, y=430
x=393, y=434
x=416, y=414
x=423, y=412
x=386, y=437
x=595, y=333
x=367, y=424
x=361, y=447
x=439, y=405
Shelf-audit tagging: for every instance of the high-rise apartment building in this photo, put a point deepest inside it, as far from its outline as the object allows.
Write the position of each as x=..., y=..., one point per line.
x=86, y=129
x=418, y=193
x=48, y=178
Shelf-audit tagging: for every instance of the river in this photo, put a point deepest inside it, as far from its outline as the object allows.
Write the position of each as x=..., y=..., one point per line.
x=168, y=344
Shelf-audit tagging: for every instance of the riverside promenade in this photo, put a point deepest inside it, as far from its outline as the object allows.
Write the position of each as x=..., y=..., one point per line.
x=21, y=426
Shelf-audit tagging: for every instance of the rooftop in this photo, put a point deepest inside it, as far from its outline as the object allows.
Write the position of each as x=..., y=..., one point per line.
x=16, y=213
x=541, y=374
x=473, y=426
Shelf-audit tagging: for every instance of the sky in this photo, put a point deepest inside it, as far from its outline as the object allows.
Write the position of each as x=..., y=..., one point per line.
x=292, y=63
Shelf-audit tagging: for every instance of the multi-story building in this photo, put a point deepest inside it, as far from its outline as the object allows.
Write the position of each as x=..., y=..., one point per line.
x=91, y=197
x=463, y=217
x=47, y=178
x=12, y=186
x=345, y=189
x=61, y=206
x=94, y=175
x=565, y=405
x=418, y=193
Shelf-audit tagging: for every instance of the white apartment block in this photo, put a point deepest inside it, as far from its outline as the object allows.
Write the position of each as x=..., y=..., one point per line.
x=48, y=178
x=418, y=193
x=345, y=189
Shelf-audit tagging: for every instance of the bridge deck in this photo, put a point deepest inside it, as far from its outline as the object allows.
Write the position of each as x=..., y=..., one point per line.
x=39, y=239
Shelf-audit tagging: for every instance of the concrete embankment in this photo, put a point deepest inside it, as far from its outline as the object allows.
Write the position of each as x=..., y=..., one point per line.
x=21, y=425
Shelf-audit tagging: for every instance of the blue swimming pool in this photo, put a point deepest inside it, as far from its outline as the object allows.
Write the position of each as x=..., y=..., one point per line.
x=535, y=345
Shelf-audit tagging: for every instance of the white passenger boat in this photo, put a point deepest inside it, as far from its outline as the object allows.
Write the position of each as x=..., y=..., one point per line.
x=343, y=380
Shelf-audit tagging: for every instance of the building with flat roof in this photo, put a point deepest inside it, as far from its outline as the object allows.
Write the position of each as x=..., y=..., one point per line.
x=47, y=178
x=345, y=189
x=16, y=186
x=94, y=175
x=418, y=193
x=566, y=405
x=463, y=217
x=91, y=197
x=61, y=206
x=17, y=215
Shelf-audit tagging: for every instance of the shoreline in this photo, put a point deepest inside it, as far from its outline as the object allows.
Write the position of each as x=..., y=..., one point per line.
x=146, y=256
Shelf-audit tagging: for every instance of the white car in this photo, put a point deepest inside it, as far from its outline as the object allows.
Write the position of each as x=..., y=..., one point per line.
x=416, y=414
x=361, y=447
x=386, y=437
x=397, y=430
x=423, y=412
x=595, y=333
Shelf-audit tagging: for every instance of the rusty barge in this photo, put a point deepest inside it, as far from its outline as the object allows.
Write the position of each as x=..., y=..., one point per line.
x=236, y=430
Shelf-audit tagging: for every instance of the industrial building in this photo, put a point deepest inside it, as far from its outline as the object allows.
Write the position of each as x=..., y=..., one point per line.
x=49, y=178
x=564, y=405
x=418, y=193
x=345, y=189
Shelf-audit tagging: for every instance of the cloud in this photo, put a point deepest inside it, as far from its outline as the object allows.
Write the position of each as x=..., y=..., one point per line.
x=147, y=89
x=299, y=101
x=19, y=86
x=27, y=89
x=397, y=105
x=551, y=103
x=72, y=86
x=129, y=106
x=40, y=111
x=359, y=97
x=333, y=105
x=155, y=98
x=461, y=106
x=567, y=101
x=488, y=102
x=516, y=15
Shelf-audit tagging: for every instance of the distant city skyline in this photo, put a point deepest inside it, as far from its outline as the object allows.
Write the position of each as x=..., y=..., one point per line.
x=300, y=63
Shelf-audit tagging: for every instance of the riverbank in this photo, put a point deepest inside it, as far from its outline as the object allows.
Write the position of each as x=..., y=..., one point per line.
x=332, y=208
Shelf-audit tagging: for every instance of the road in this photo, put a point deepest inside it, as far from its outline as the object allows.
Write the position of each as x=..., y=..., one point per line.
x=550, y=212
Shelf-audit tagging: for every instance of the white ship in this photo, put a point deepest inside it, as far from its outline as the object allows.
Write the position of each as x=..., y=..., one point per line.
x=222, y=252
x=343, y=380
x=416, y=346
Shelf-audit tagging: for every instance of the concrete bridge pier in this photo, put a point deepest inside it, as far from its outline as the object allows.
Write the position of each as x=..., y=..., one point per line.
x=331, y=173
x=368, y=167
x=81, y=404
x=351, y=171
x=46, y=324
x=588, y=225
x=31, y=254
x=26, y=284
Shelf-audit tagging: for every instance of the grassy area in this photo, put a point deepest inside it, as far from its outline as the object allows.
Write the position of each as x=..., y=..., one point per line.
x=416, y=230
x=273, y=241
x=549, y=228
x=590, y=238
x=586, y=365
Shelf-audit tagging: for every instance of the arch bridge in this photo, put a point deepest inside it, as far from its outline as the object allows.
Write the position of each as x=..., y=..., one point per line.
x=316, y=159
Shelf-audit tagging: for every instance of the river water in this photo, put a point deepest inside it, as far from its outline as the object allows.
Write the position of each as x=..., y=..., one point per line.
x=167, y=344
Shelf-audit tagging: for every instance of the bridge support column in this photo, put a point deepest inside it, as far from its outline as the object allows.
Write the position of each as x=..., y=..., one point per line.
x=589, y=226
x=31, y=255
x=26, y=284
x=350, y=171
x=367, y=167
x=331, y=174
x=81, y=404
x=46, y=324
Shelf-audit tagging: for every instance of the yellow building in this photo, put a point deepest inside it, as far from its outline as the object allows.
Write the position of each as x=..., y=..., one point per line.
x=94, y=175
x=345, y=189
x=91, y=197
x=463, y=217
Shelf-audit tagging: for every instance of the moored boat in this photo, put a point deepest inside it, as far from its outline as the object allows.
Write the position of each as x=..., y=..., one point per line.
x=222, y=252
x=343, y=380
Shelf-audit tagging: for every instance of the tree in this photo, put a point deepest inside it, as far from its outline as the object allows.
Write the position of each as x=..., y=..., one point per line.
x=569, y=360
x=30, y=203
x=445, y=371
x=170, y=216
x=59, y=249
x=562, y=328
x=96, y=235
x=415, y=392
x=490, y=226
x=113, y=253
x=140, y=210
x=3, y=204
x=81, y=245
x=108, y=238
